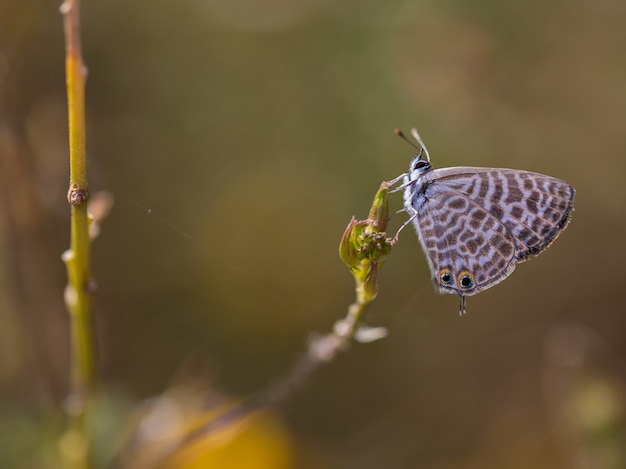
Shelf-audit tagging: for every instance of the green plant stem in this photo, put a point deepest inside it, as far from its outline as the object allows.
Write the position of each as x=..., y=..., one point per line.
x=363, y=249
x=77, y=447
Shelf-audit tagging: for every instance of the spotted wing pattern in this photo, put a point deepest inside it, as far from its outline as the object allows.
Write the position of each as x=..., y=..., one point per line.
x=476, y=224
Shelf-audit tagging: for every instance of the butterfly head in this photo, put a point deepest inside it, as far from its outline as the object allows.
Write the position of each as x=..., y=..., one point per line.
x=421, y=162
x=419, y=165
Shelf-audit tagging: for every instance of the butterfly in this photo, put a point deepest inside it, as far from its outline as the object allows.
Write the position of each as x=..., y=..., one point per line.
x=476, y=224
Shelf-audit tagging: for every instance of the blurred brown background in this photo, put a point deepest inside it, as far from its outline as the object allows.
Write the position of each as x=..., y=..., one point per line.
x=259, y=129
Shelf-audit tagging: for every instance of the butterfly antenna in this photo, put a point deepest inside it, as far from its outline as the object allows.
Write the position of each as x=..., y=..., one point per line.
x=400, y=134
x=422, y=148
x=417, y=137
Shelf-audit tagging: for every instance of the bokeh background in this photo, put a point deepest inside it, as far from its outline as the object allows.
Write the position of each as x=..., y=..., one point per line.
x=238, y=138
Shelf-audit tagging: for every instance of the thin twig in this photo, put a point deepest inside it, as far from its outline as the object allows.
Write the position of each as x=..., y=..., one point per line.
x=363, y=248
x=76, y=447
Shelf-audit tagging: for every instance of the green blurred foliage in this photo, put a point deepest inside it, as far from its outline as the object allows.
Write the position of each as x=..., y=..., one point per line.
x=259, y=129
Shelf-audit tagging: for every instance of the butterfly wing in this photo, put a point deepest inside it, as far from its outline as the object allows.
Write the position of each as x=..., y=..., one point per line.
x=467, y=248
x=476, y=224
x=534, y=208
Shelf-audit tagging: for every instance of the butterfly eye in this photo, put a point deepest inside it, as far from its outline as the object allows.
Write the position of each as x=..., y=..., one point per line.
x=466, y=280
x=445, y=276
x=420, y=164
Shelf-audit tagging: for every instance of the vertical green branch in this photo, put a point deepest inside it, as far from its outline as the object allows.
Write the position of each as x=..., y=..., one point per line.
x=76, y=445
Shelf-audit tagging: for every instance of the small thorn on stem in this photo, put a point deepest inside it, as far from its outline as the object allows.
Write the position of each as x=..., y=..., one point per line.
x=65, y=7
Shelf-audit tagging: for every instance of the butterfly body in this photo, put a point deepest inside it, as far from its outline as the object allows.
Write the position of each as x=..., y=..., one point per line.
x=476, y=224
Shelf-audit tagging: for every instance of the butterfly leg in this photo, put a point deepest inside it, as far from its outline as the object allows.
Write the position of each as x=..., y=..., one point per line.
x=394, y=240
x=401, y=186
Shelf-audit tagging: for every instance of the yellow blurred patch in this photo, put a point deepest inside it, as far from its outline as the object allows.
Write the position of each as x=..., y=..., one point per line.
x=258, y=441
